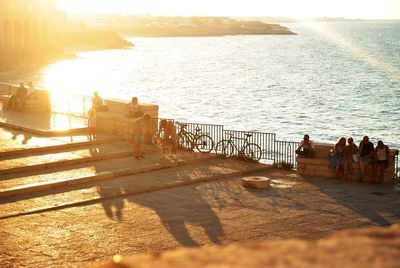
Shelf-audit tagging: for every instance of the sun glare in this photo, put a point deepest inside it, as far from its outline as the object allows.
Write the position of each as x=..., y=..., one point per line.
x=371, y=9
x=356, y=50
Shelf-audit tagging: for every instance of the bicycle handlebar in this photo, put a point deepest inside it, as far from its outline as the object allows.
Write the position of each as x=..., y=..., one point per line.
x=239, y=138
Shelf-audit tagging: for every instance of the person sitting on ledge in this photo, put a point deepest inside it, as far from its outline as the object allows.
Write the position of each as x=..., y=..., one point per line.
x=382, y=160
x=350, y=157
x=366, y=150
x=98, y=103
x=337, y=156
x=133, y=109
x=306, y=147
x=31, y=92
x=17, y=100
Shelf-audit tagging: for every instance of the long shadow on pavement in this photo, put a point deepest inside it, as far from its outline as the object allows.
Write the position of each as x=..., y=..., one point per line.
x=114, y=207
x=197, y=211
x=369, y=201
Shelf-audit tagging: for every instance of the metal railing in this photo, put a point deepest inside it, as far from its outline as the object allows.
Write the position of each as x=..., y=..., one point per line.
x=73, y=105
x=397, y=167
x=272, y=150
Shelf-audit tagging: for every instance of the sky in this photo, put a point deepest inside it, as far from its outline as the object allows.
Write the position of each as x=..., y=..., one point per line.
x=352, y=9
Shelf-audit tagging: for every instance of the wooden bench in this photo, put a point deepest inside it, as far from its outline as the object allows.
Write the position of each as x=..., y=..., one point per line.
x=319, y=165
x=115, y=122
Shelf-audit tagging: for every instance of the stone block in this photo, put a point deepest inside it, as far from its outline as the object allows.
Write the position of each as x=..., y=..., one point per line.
x=256, y=182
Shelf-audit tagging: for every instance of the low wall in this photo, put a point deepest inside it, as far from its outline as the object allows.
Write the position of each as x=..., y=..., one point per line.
x=38, y=104
x=115, y=122
x=319, y=165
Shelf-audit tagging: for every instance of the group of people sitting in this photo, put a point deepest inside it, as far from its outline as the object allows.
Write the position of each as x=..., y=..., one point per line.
x=22, y=94
x=132, y=108
x=141, y=128
x=345, y=153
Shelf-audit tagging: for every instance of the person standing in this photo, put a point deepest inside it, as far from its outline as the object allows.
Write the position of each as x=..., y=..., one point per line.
x=382, y=160
x=168, y=136
x=366, y=150
x=306, y=147
x=92, y=118
x=140, y=128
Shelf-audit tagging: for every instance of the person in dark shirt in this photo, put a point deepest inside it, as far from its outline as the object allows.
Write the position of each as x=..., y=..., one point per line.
x=17, y=100
x=98, y=103
x=366, y=150
x=306, y=147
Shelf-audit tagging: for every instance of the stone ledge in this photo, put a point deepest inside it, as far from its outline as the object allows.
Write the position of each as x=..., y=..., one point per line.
x=115, y=122
x=319, y=165
x=376, y=247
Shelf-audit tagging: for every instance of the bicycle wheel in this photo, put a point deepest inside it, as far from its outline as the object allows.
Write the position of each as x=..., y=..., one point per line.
x=185, y=141
x=204, y=143
x=224, y=149
x=252, y=152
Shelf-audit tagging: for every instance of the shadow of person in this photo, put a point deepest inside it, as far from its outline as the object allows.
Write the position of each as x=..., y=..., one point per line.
x=113, y=207
x=26, y=138
x=177, y=212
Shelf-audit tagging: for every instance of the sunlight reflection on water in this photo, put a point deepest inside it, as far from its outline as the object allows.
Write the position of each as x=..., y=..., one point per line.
x=312, y=82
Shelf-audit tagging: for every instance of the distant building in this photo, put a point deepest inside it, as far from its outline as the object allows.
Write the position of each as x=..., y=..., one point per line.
x=26, y=24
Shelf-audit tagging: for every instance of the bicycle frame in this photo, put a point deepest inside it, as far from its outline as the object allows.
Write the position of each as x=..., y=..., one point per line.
x=245, y=143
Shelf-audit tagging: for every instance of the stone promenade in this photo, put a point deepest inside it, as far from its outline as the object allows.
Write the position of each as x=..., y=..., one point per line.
x=68, y=202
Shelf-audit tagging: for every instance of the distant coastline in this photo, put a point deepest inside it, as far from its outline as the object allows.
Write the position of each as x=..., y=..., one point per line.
x=104, y=32
x=149, y=26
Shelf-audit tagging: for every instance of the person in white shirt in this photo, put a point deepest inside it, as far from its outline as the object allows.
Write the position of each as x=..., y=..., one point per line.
x=381, y=154
x=306, y=147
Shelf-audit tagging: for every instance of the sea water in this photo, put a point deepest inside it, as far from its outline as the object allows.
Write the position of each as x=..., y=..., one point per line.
x=329, y=80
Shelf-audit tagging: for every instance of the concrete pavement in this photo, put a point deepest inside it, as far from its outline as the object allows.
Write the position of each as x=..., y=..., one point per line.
x=152, y=205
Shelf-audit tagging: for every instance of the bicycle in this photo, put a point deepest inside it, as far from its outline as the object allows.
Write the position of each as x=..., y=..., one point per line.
x=249, y=151
x=188, y=140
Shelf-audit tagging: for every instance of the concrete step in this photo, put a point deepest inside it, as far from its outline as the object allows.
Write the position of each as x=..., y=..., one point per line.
x=88, y=169
x=114, y=185
x=52, y=148
x=72, y=156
